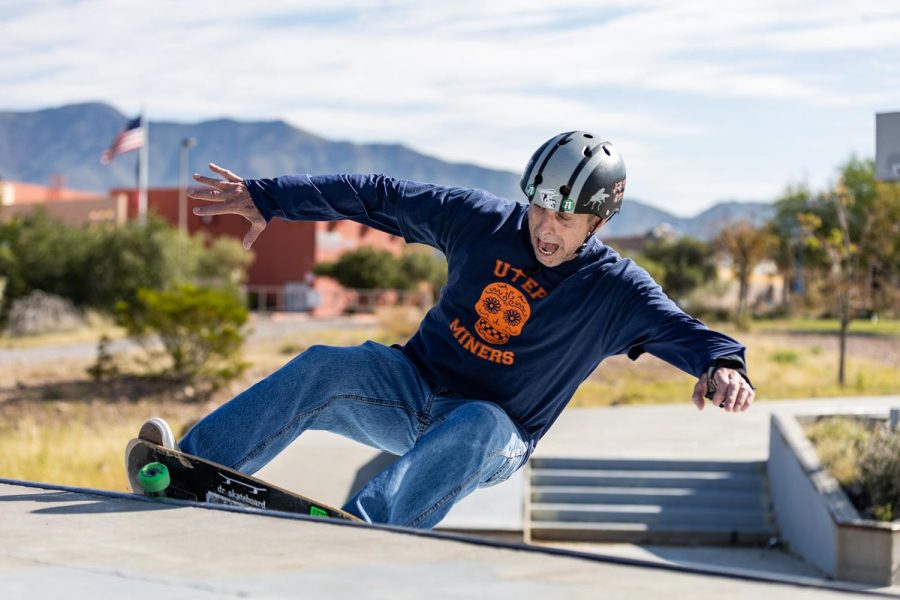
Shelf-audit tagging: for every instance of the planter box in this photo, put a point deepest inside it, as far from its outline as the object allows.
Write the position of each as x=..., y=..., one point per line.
x=816, y=519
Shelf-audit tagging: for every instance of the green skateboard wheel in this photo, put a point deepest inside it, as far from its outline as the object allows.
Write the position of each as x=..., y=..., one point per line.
x=154, y=477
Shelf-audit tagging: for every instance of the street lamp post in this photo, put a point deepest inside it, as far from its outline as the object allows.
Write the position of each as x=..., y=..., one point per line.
x=184, y=151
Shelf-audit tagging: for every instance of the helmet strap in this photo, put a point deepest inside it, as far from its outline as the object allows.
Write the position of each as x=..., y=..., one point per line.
x=596, y=228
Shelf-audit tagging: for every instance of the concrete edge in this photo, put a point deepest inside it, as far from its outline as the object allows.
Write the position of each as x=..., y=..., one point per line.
x=817, y=519
x=837, y=502
x=723, y=572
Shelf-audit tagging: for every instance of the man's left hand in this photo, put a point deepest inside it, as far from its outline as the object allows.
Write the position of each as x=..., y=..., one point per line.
x=733, y=392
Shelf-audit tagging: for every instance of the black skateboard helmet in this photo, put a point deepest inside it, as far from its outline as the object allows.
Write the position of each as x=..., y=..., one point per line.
x=576, y=172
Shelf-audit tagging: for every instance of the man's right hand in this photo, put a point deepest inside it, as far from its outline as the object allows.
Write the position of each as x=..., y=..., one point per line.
x=233, y=198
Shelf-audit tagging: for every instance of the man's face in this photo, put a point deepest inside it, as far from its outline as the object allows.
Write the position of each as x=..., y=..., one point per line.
x=556, y=236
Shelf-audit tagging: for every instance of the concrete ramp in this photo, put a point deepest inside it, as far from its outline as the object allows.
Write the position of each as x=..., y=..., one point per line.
x=66, y=542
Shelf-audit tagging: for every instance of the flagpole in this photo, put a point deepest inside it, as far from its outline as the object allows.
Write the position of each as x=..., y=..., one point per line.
x=143, y=169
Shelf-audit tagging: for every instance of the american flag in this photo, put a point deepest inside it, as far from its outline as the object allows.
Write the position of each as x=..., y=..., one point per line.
x=130, y=137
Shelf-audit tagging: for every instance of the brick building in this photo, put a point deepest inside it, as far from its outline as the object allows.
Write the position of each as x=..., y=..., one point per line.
x=280, y=276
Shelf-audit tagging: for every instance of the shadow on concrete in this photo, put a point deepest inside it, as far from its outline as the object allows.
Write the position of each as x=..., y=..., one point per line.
x=125, y=388
x=81, y=504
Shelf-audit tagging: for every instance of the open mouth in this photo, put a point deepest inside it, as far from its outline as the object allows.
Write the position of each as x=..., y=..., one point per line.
x=546, y=249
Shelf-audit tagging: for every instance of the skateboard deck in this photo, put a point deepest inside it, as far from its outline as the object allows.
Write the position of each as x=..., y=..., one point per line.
x=161, y=471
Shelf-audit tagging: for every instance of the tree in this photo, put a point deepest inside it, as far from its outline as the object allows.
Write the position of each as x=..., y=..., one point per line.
x=96, y=266
x=423, y=267
x=789, y=250
x=368, y=268
x=746, y=246
x=365, y=268
x=854, y=226
x=687, y=264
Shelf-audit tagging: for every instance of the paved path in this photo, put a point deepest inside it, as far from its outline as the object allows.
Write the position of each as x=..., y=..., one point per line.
x=59, y=543
x=681, y=431
x=263, y=327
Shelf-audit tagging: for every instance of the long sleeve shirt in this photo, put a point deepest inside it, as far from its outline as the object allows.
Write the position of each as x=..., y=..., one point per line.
x=507, y=329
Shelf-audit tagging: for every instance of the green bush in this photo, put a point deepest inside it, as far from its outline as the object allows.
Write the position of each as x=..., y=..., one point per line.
x=365, y=268
x=416, y=266
x=839, y=442
x=368, y=268
x=865, y=461
x=200, y=330
x=879, y=469
x=97, y=266
x=687, y=263
x=785, y=357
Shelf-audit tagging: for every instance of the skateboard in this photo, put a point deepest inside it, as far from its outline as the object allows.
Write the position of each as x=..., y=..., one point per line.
x=167, y=473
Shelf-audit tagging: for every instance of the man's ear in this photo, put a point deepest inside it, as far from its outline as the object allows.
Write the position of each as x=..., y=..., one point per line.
x=598, y=225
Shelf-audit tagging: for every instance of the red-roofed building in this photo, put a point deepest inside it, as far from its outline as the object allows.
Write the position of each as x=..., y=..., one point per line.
x=70, y=206
x=281, y=273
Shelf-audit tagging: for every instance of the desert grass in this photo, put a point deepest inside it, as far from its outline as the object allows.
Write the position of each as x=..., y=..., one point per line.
x=59, y=426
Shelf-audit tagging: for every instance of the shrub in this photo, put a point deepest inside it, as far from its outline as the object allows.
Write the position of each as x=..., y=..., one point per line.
x=865, y=462
x=365, y=268
x=687, y=263
x=418, y=266
x=785, y=357
x=368, y=268
x=200, y=330
x=879, y=469
x=104, y=367
x=97, y=266
x=839, y=442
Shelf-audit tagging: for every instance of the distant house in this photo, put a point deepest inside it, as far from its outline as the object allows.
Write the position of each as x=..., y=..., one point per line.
x=629, y=245
x=280, y=276
x=70, y=206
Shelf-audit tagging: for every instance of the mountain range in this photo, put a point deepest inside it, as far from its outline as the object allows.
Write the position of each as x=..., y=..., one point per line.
x=68, y=141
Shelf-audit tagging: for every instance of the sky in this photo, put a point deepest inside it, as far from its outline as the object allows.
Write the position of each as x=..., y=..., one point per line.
x=706, y=100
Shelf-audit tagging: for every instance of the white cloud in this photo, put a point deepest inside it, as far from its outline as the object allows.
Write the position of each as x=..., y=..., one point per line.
x=467, y=80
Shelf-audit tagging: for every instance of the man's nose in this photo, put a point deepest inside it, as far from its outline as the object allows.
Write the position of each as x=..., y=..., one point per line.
x=544, y=224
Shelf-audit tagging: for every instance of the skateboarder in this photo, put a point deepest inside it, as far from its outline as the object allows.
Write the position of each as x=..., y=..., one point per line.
x=533, y=303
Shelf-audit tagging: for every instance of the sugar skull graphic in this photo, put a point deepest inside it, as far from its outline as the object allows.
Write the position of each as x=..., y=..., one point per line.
x=503, y=310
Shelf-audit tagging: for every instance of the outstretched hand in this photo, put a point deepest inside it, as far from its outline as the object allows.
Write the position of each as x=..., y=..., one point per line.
x=732, y=392
x=233, y=199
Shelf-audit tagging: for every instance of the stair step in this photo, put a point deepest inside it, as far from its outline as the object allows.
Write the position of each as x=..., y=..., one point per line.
x=638, y=495
x=688, y=518
x=647, y=465
x=619, y=478
x=641, y=533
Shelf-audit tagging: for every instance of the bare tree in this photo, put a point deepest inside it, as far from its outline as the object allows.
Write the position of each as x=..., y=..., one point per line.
x=746, y=246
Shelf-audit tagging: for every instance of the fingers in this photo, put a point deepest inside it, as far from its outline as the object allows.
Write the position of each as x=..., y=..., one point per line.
x=255, y=229
x=203, y=194
x=699, y=392
x=745, y=398
x=224, y=186
x=213, y=209
x=733, y=392
x=225, y=173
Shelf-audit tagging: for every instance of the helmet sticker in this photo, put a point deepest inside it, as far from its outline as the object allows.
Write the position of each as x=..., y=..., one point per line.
x=549, y=199
x=568, y=205
x=597, y=200
x=530, y=191
x=619, y=190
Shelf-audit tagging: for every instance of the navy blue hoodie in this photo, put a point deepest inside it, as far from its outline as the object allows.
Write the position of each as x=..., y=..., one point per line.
x=507, y=329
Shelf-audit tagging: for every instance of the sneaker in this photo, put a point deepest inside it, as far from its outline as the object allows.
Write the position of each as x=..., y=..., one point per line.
x=157, y=431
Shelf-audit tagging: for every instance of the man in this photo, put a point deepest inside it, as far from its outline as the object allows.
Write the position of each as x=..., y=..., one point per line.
x=533, y=304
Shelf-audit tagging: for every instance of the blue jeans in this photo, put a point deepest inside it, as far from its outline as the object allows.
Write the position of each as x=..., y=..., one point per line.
x=373, y=394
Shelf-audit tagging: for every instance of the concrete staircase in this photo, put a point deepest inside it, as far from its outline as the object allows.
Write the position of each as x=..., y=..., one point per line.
x=649, y=501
